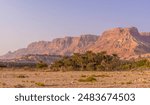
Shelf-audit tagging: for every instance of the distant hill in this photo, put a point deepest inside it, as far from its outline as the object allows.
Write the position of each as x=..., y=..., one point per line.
x=59, y=46
x=126, y=42
x=29, y=60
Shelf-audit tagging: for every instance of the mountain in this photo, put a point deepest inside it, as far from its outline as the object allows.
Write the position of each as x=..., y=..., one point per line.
x=59, y=46
x=126, y=42
x=145, y=33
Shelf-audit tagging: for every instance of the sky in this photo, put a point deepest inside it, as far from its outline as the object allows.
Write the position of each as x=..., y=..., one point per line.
x=26, y=21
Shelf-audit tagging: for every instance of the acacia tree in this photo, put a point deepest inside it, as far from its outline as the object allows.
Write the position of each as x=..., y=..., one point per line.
x=89, y=61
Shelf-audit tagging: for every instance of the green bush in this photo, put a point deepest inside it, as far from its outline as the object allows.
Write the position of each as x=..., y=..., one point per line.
x=91, y=66
x=98, y=61
x=41, y=64
x=142, y=63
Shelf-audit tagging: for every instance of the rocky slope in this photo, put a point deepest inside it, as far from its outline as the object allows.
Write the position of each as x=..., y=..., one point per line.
x=126, y=42
x=59, y=46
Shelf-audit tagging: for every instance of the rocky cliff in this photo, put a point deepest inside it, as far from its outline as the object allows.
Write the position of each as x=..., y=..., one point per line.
x=59, y=46
x=126, y=42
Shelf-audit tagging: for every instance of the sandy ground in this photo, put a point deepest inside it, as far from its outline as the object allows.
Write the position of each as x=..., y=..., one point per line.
x=25, y=78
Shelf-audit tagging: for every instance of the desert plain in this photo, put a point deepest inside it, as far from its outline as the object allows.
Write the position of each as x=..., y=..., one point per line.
x=44, y=78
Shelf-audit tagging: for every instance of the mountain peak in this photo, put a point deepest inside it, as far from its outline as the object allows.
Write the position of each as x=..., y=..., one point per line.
x=120, y=30
x=123, y=41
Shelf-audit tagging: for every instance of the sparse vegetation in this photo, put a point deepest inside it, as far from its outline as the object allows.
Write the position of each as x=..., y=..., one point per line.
x=129, y=82
x=122, y=83
x=19, y=86
x=88, y=79
x=40, y=84
x=22, y=76
x=144, y=82
x=32, y=81
x=41, y=64
x=101, y=75
x=83, y=75
x=98, y=62
x=75, y=79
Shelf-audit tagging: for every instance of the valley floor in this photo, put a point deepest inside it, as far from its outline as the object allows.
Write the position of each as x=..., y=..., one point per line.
x=25, y=78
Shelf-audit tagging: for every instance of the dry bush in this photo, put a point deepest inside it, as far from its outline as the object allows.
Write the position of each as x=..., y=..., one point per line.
x=22, y=76
x=40, y=84
x=88, y=79
x=19, y=86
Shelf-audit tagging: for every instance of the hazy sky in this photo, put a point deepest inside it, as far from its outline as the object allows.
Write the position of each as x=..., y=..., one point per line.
x=25, y=21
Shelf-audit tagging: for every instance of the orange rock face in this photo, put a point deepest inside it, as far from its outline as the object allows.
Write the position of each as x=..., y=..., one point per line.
x=125, y=42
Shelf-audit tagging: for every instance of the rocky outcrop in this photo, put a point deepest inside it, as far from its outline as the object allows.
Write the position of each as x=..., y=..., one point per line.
x=116, y=40
x=126, y=42
x=59, y=46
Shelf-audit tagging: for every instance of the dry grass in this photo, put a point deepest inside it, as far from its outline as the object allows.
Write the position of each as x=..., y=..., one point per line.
x=129, y=82
x=101, y=75
x=40, y=84
x=19, y=86
x=20, y=78
x=88, y=79
x=83, y=75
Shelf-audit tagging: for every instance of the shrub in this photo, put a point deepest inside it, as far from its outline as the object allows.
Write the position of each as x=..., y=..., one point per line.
x=100, y=67
x=88, y=79
x=40, y=84
x=91, y=66
x=83, y=75
x=129, y=82
x=22, y=76
x=19, y=86
x=125, y=66
x=98, y=61
x=101, y=75
x=143, y=62
x=41, y=64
